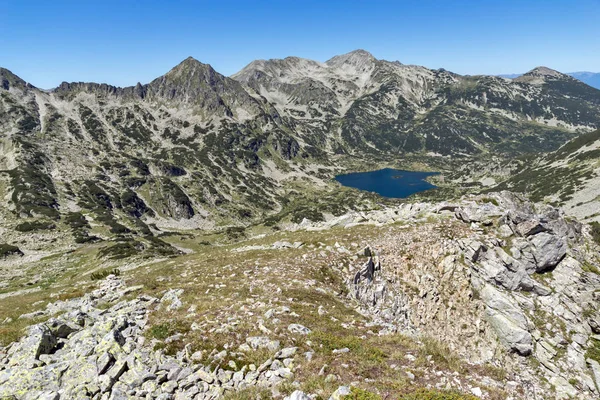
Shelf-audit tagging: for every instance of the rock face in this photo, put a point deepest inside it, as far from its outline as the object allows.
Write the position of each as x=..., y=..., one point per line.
x=523, y=265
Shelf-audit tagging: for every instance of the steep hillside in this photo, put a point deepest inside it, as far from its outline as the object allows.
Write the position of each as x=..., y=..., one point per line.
x=589, y=78
x=569, y=177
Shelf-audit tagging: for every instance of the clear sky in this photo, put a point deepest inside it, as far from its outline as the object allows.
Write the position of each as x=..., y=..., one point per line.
x=122, y=42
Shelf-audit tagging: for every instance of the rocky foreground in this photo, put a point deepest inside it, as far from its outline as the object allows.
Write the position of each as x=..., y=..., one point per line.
x=490, y=297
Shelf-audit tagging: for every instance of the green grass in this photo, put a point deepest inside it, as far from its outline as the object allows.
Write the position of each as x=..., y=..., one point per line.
x=430, y=394
x=103, y=274
x=361, y=394
x=593, y=350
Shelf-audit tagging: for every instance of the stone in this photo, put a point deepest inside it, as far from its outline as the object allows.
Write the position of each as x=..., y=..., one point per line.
x=171, y=297
x=548, y=250
x=299, y=329
x=508, y=321
x=340, y=351
x=286, y=352
x=298, y=395
x=61, y=329
x=202, y=376
x=262, y=342
x=530, y=227
x=340, y=393
x=595, y=367
x=39, y=340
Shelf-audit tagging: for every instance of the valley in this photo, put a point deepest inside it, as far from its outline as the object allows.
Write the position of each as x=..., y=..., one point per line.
x=187, y=237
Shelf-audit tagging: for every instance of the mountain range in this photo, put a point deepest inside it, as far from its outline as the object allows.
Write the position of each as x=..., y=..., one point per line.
x=589, y=78
x=196, y=149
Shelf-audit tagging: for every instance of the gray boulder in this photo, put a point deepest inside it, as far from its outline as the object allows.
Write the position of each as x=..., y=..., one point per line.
x=548, y=250
x=508, y=321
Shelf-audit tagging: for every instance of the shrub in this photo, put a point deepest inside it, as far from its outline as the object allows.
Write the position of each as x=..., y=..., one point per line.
x=76, y=220
x=121, y=250
x=29, y=226
x=595, y=231
x=7, y=250
x=593, y=351
x=103, y=274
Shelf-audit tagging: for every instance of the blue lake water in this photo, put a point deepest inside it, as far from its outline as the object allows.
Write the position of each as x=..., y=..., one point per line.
x=388, y=182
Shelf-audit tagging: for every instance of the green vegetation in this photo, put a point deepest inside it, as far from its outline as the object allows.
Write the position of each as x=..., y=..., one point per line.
x=30, y=226
x=595, y=231
x=7, y=250
x=440, y=354
x=121, y=250
x=593, y=350
x=361, y=394
x=250, y=393
x=432, y=394
x=103, y=274
x=490, y=200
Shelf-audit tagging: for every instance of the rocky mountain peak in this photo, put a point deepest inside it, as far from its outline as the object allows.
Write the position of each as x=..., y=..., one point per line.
x=545, y=71
x=356, y=58
x=541, y=74
x=190, y=68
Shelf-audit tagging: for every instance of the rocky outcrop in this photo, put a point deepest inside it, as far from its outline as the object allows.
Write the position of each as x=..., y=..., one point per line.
x=88, y=352
x=525, y=266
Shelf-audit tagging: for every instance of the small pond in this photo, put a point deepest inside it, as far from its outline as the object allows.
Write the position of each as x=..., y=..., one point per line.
x=388, y=182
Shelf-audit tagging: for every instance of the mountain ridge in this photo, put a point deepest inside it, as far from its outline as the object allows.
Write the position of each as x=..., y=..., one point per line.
x=194, y=148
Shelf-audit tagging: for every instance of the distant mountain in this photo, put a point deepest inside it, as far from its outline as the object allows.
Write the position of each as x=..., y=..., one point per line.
x=589, y=78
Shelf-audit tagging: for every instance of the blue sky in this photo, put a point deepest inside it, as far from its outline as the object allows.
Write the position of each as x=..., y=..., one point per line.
x=126, y=41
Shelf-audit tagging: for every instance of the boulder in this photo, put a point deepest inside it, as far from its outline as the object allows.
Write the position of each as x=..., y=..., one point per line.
x=262, y=342
x=507, y=320
x=300, y=329
x=530, y=227
x=548, y=250
x=298, y=395
x=39, y=340
x=340, y=393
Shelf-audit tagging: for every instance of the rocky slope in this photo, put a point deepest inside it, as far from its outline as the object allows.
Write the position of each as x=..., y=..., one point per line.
x=589, y=78
x=376, y=105
x=569, y=177
x=488, y=297
x=194, y=149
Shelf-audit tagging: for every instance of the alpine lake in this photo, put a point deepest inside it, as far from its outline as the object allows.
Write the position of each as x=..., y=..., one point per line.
x=388, y=182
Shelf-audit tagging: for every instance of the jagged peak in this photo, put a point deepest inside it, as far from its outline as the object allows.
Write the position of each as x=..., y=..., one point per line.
x=355, y=57
x=190, y=64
